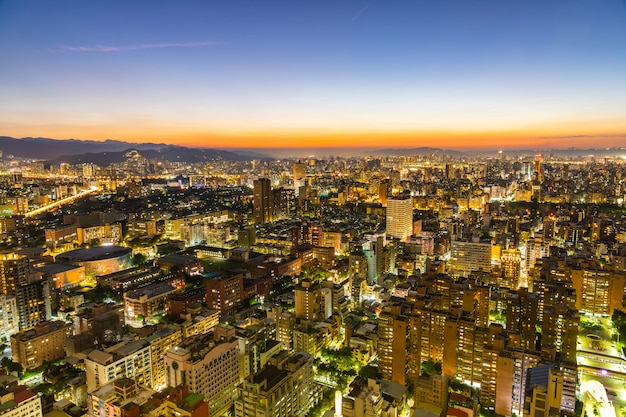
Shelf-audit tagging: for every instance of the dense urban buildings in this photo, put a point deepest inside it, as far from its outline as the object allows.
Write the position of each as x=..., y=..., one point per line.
x=413, y=285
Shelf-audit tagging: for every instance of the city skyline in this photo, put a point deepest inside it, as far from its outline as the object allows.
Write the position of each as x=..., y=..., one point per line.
x=457, y=75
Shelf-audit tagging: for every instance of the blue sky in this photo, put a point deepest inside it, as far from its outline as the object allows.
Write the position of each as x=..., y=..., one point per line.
x=210, y=72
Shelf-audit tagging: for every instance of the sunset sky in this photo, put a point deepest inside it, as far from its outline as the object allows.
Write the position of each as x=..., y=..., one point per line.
x=264, y=73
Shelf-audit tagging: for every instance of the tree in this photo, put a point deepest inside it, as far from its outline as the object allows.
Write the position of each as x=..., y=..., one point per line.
x=11, y=366
x=369, y=371
x=139, y=259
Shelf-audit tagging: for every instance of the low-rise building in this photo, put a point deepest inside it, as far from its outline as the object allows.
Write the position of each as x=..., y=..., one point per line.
x=19, y=402
x=121, y=398
x=178, y=402
x=147, y=301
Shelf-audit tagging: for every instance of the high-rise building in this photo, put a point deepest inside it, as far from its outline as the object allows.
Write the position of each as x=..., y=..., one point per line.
x=521, y=316
x=463, y=349
x=284, y=203
x=43, y=343
x=312, y=302
x=384, y=189
x=161, y=341
x=598, y=291
x=299, y=174
x=393, y=334
x=209, y=365
x=130, y=359
x=560, y=329
x=224, y=292
x=263, y=201
x=9, y=317
x=283, y=388
x=31, y=292
x=471, y=256
x=399, y=218
x=511, y=261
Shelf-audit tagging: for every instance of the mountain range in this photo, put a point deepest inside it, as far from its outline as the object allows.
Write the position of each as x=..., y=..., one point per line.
x=76, y=151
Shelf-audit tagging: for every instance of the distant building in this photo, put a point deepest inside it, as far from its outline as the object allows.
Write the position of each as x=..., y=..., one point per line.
x=263, y=201
x=399, y=218
x=471, y=256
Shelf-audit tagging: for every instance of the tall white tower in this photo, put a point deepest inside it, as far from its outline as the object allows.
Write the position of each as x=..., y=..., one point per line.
x=399, y=218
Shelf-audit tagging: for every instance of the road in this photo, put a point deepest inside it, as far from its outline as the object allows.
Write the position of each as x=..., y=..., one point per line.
x=63, y=201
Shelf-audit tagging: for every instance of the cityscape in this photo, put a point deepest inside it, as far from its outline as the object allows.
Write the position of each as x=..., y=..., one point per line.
x=420, y=285
x=322, y=209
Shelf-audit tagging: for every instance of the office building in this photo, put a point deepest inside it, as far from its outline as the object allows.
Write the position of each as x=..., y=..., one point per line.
x=224, y=292
x=399, y=218
x=469, y=256
x=263, y=201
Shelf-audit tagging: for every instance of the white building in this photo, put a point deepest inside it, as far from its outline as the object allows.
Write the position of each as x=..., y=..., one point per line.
x=209, y=365
x=399, y=218
x=9, y=317
x=20, y=402
x=127, y=359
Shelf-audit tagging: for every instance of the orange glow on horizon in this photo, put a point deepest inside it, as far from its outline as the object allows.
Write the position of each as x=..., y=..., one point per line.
x=611, y=134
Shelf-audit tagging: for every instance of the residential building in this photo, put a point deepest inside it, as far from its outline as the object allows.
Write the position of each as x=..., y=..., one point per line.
x=129, y=359
x=224, y=292
x=209, y=365
x=284, y=388
x=45, y=342
x=20, y=402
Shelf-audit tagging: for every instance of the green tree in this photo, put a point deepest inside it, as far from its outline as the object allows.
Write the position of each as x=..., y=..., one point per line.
x=139, y=259
x=11, y=366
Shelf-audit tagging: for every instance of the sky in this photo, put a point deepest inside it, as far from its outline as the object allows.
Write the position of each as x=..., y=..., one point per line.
x=228, y=73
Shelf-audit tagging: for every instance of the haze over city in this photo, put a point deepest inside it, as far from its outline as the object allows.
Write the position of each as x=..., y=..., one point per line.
x=455, y=74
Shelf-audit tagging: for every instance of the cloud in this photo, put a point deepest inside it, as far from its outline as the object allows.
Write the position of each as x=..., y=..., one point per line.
x=617, y=135
x=106, y=48
x=360, y=12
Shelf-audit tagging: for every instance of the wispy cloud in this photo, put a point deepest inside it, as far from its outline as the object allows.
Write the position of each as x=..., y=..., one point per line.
x=360, y=12
x=616, y=135
x=109, y=48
